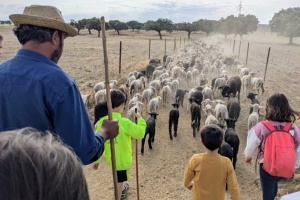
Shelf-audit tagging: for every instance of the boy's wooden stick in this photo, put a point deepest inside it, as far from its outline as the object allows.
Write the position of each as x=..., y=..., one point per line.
x=137, y=163
x=109, y=108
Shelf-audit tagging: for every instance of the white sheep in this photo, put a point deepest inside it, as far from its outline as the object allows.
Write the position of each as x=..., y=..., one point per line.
x=253, y=117
x=258, y=83
x=130, y=79
x=174, y=85
x=135, y=87
x=219, y=82
x=210, y=118
x=166, y=94
x=99, y=86
x=157, y=85
x=147, y=94
x=100, y=96
x=207, y=93
x=135, y=98
x=85, y=99
x=113, y=84
x=190, y=94
x=221, y=111
x=130, y=113
x=154, y=103
x=156, y=74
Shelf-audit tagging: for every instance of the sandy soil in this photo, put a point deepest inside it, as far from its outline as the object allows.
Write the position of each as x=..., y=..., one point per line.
x=161, y=169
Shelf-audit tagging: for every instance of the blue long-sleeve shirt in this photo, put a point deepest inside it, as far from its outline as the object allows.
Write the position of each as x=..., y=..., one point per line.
x=36, y=92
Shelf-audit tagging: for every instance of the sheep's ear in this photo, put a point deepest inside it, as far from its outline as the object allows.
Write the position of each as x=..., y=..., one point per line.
x=149, y=113
x=255, y=94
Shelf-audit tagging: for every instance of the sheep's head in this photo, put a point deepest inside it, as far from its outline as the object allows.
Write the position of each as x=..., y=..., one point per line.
x=175, y=105
x=153, y=114
x=230, y=123
x=251, y=96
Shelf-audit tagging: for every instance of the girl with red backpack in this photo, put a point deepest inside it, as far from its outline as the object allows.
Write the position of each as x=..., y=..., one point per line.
x=276, y=140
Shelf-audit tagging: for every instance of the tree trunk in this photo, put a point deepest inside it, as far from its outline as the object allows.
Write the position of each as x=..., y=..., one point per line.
x=118, y=32
x=90, y=31
x=189, y=35
x=138, y=30
x=98, y=33
x=160, y=37
x=291, y=40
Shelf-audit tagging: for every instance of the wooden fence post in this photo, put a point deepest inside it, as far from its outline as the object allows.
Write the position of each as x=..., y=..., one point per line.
x=233, y=46
x=149, y=48
x=120, y=57
x=165, y=46
x=174, y=44
x=267, y=63
x=239, y=49
x=247, y=54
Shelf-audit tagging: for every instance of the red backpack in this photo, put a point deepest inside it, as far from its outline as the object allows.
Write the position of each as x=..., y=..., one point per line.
x=279, y=151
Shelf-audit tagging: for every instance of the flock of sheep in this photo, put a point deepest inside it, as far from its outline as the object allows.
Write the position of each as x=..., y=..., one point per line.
x=200, y=78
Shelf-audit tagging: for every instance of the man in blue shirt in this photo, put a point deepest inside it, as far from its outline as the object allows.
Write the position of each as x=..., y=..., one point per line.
x=36, y=92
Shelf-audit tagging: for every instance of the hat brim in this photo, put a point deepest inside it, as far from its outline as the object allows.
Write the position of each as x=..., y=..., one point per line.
x=19, y=19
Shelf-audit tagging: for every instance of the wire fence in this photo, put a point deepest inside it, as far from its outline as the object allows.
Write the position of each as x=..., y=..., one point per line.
x=282, y=74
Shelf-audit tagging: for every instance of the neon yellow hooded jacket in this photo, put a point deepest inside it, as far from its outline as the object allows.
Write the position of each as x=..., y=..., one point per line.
x=123, y=147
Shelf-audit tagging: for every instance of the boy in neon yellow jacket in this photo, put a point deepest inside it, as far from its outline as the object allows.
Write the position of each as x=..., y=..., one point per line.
x=123, y=147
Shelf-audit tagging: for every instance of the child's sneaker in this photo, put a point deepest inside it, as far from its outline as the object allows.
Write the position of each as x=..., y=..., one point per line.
x=125, y=191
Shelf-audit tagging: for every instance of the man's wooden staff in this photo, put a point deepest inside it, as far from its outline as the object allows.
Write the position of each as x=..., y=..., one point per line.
x=109, y=108
x=137, y=163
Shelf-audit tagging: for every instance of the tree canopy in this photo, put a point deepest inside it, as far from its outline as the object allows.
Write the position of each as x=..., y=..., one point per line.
x=117, y=25
x=79, y=25
x=240, y=25
x=95, y=23
x=287, y=23
x=134, y=25
x=159, y=25
x=188, y=27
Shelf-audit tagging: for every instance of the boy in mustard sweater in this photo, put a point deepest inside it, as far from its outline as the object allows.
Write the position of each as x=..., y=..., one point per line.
x=123, y=147
x=206, y=174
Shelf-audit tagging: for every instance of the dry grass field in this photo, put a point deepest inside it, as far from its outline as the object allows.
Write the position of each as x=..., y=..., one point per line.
x=161, y=169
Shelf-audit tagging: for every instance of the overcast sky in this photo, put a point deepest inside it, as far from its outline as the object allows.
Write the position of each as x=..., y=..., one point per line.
x=143, y=10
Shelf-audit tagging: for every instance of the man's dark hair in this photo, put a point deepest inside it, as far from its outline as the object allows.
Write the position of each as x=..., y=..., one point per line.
x=1, y=38
x=39, y=34
x=212, y=136
x=278, y=109
x=117, y=98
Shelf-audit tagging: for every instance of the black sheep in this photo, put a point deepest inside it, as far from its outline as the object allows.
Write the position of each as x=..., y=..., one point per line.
x=233, y=85
x=100, y=111
x=180, y=96
x=251, y=96
x=195, y=110
x=233, y=108
x=232, y=139
x=225, y=149
x=173, y=119
x=150, y=129
x=198, y=96
x=149, y=71
x=140, y=74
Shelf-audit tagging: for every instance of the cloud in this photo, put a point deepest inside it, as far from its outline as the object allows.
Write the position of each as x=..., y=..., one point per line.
x=175, y=10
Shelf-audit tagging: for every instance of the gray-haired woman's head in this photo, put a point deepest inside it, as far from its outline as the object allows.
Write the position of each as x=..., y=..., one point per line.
x=37, y=166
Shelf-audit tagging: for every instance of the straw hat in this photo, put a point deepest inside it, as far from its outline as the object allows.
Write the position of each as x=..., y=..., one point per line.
x=45, y=16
